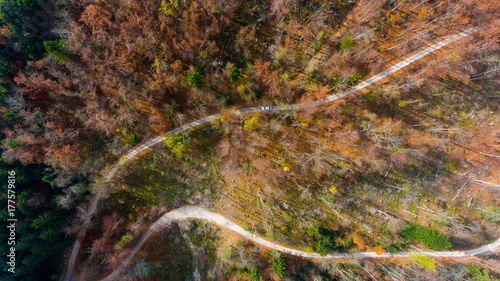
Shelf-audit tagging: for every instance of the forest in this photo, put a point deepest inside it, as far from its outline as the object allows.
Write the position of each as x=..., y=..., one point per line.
x=408, y=163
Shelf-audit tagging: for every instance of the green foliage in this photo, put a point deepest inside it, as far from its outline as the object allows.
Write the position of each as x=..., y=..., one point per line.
x=44, y=221
x=241, y=90
x=254, y=274
x=278, y=263
x=394, y=248
x=11, y=8
x=9, y=114
x=13, y=144
x=217, y=10
x=346, y=43
x=133, y=139
x=194, y=79
x=323, y=240
x=354, y=79
x=17, y=15
x=491, y=214
x=40, y=241
x=4, y=91
x=251, y=123
x=177, y=144
x=424, y=262
x=234, y=75
x=48, y=178
x=172, y=7
x=124, y=240
x=451, y=166
x=4, y=69
x=479, y=274
x=55, y=48
x=169, y=109
x=431, y=238
x=344, y=243
x=245, y=226
x=322, y=245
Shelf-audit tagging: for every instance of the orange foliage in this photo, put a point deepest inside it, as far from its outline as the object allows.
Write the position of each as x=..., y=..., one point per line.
x=379, y=250
x=356, y=239
x=96, y=16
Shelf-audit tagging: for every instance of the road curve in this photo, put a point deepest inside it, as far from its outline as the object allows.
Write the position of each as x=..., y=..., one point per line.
x=192, y=212
x=402, y=64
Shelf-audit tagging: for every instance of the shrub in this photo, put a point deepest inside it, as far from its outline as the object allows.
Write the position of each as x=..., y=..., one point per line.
x=234, y=75
x=5, y=69
x=333, y=190
x=133, y=139
x=322, y=245
x=254, y=274
x=241, y=91
x=194, y=79
x=172, y=7
x=392, y=249
x=48, y=178
x=424, y=262
x=217, y=10
x=358, y=240
x=177, y=144
x=55, y=48
x=431, y=238
x=13, y=144
x=354, y=79
x=479, y=274
x=127, y=238
x=379, y=249
x=3, y=92
x=251, y=123
x=278, y=263
x=9, y=115
x=346, y=43
x=492, y=214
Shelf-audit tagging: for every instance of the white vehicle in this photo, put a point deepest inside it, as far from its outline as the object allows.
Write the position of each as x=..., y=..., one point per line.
x=266, y=107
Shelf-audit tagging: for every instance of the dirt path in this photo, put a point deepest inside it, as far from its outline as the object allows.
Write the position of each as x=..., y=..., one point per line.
x=94, y=201
x=192, y=212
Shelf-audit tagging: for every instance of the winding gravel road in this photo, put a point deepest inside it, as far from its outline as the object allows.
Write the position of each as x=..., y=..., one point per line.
x=198, y=213
x=191, y=212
